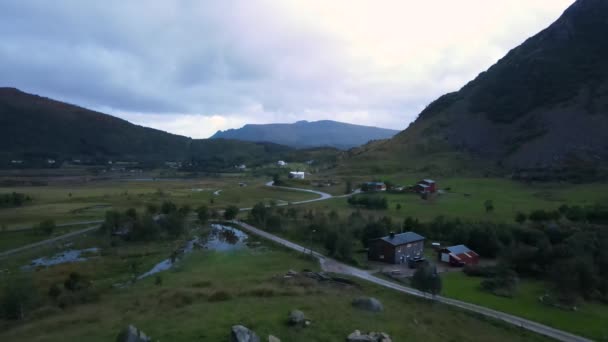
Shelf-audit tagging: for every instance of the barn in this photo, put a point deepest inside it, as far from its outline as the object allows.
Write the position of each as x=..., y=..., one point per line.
x=426, y=186
x=396, y=248
x=459, y=255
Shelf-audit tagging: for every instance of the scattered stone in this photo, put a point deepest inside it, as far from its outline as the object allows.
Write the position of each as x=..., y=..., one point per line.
x=368, y=303
x=297, y=318
x=273, y=339
x=357, y=336
x=243, y=334
x=132, y=334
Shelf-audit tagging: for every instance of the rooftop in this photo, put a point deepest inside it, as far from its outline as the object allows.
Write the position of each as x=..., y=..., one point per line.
x=459, y=249
x=403, y=238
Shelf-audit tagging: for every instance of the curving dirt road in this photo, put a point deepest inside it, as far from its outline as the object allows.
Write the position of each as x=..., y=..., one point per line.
x=331, y=265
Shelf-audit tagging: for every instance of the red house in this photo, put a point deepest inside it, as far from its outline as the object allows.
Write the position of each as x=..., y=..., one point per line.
x=432, y=186
x=459, y=255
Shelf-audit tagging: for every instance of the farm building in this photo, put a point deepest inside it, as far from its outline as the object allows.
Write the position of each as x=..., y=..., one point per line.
x=426, y=186
x=396, y=248
x=296, y=174
x=459, y=255
x=374, y=186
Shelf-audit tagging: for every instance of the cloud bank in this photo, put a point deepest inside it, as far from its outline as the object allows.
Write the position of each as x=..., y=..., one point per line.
x=193, y=67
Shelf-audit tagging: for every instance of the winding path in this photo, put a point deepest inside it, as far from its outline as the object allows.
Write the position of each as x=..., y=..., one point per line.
x=334, y=266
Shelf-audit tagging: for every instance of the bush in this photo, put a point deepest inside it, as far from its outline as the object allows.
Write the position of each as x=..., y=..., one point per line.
x=202, y=214
x=16, y=298
x=219, y=296
x=46, y=227
x=231, y=212
x=369, y=201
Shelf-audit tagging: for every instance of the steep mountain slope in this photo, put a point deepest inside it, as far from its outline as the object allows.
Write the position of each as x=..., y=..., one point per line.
x=34, y=127
x=543, y=106
x=31, y=125
x=309, y=134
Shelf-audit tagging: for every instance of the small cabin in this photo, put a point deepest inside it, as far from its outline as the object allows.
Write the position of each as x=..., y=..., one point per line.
x=374, y=186
x=296, y=175
x=459, y=255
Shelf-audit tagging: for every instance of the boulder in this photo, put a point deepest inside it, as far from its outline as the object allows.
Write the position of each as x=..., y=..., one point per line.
x=242, y=334
x=132, y=334
x=273, y=339
x=357, y=336
x=297, y=318
x=368, y=303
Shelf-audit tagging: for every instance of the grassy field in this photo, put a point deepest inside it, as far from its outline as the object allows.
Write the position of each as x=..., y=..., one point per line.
x=82, y=202
x=509, y=197
x=589, y=320
x=254, y=293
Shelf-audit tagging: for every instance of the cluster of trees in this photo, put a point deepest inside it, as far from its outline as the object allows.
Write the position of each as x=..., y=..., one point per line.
x=369, y=201
x=427, y=280
x=13, y=199
x=596, y=214
x=156, y=222
x=543, y=251
x=46, y=227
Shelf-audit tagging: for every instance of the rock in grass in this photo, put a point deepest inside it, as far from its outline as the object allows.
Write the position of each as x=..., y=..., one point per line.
x=243, y=334
x=132, y=334
x=357, y=336
x=368, y=303
x=296, y=318
x=273, y=339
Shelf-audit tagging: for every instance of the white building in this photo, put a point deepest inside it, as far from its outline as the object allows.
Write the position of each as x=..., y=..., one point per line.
x=281, y=163
x=296, y=174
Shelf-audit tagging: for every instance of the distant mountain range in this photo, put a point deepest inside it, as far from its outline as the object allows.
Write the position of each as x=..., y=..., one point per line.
x=544, y=106
x=35, y=128
x=309, y=134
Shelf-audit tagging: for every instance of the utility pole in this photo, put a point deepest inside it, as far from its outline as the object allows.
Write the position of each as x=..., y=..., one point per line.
x=311, y=234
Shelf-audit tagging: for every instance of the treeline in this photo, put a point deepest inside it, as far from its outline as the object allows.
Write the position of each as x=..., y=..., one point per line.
x=571, y=256
x=596, y=214
x=164, y=221
x=13, y=199
x=373, y=202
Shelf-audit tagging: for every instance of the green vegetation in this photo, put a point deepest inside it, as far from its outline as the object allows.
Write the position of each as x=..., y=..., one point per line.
x=210, y=291
x=13, y=199
x=368, y=201
x=588, y=320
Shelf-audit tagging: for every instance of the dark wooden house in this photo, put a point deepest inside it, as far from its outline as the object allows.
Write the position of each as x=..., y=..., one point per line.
x=397, y=248
x=459, y=255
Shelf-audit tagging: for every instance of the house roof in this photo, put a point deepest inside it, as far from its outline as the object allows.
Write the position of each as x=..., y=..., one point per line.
x=403, y=238
x=430, y=181
x=423, y=185
x=459, y=249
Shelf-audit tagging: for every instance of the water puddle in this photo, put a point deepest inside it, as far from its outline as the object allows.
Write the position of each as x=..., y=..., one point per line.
x=221, y=238
x=72, y=255
x=225, y=238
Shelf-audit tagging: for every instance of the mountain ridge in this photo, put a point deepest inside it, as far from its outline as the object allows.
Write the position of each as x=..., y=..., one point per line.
x=305, y=134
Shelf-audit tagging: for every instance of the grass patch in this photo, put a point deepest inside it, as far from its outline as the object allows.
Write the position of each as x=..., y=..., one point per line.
x=589, y=320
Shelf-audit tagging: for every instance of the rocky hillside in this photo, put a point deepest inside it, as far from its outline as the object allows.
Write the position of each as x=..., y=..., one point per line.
x=544, y=106
x=309, y=134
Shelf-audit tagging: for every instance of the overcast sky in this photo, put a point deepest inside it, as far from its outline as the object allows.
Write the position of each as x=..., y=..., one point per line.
x=193, y=67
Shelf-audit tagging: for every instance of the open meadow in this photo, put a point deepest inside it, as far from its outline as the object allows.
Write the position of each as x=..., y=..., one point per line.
x=209, y=291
